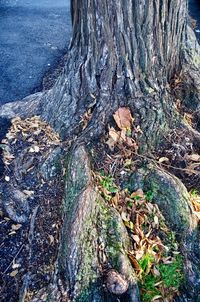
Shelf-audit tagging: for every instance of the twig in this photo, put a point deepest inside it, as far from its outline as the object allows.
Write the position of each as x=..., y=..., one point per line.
x=13, y=259
x=166, y=165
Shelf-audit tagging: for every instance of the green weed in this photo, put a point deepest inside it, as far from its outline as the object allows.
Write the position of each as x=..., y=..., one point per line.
x=107, y=182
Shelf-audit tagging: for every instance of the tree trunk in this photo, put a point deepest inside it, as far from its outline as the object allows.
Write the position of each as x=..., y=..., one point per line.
x=122, y=53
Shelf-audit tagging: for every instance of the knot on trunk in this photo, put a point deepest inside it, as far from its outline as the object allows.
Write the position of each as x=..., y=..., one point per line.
x=115, y=282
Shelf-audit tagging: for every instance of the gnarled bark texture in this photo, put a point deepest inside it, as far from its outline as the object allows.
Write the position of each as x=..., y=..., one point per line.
x=122, y=53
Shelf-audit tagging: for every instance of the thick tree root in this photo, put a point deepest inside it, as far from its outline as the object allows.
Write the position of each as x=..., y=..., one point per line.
x=92, y=263
x=174, y=201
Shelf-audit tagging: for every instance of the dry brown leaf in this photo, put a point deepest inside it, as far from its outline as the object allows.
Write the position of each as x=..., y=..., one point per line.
x=163, y=159
x=125, y=216
x=135, y=263
x=51, y=239
x=16, y=227
x=29, y=193
x=191, y=169
x=136, y=238
x=16, y=265
x=156, y=298
x=155, y=271
x=14, y=273
x=123, y=118
x=114, y=137
x=139, y=254
x=7, y=178
x=138, y=193
x=34, y=149
x=193, y=157
x=156, y=220
x=196, y=205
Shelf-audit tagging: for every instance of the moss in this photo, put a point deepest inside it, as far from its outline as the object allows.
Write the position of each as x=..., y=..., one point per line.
x=171, y=277
x=171, y=197
x=114, y=234
x=88, y=293
x=172, y=274
x=148, y=288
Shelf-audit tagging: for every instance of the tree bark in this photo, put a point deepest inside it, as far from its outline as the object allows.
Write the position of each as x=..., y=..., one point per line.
x=122, y=53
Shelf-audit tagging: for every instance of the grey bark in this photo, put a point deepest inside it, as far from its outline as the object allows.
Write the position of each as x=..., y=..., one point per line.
x=122, y=53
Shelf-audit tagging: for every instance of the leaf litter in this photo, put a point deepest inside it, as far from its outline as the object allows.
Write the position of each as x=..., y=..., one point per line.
x=27, y=145
x=155, y=253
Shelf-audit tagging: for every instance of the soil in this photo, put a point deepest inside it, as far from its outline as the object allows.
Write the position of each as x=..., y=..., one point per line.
x=30, y=232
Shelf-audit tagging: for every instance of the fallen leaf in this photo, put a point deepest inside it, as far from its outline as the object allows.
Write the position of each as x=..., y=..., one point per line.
x=136, y=238
x=139, y=254
x=27, y=192
x=156, y=298
x=156, y=272
x=7, y=178
x=14, y=273
x=12, y=233
x=16, y=227
x=125, y=216
x=16, y=265
x=114, y=137
x=193, y=157
x=135, y=263
x=34, y=149
x=156, y=220
x=163, y=159
x=51, y=239
x=123, y=118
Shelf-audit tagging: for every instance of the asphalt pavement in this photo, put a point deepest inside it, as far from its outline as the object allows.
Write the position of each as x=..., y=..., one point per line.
x=194, y=10
x=34, y=35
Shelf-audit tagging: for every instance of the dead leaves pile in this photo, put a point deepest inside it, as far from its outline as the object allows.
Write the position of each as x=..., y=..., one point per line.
x=195, y=200
x=145, y=224
x=31, y=132
x=124, y=122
